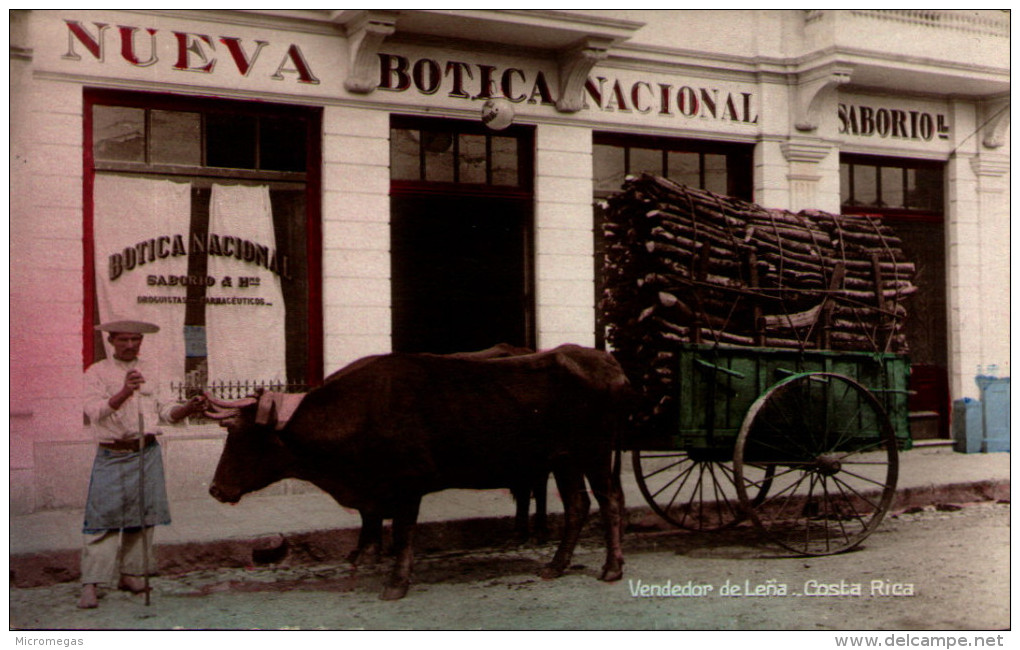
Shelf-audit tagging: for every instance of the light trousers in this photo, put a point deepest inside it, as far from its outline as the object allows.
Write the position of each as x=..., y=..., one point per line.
x=108, y=555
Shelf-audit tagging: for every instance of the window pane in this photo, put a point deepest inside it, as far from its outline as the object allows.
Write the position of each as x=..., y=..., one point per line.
x=282, y=144
x=924, y=188
x=865, y=185
x=645, y=160
x=118, y=133
x=715, y=173
x=892, y=187
x=404, y=162
x=504, y=161
x=472, y=158
x=230, y=141
x=176, y=138
x=844, y=184
x=683, y=167
x=609, y=172
x=439, y=161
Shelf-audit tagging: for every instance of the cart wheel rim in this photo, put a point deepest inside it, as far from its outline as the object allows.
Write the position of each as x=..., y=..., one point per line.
x=689, y=492
x=835, y=457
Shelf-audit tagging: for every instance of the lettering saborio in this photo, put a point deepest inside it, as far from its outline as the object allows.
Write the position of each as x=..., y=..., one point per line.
x=891, y=123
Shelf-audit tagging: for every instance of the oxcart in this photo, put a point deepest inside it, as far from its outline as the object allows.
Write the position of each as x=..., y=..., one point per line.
x=804, y=444
x=769, y=353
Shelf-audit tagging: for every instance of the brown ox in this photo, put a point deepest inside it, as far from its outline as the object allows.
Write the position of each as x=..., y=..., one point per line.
x=387, y=430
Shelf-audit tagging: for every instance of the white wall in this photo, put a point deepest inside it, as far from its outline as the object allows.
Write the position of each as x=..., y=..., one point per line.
x=355, y=235
x=564, y=240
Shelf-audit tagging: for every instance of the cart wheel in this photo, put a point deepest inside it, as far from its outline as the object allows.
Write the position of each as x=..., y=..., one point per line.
x=835, y=458
x=693, y=491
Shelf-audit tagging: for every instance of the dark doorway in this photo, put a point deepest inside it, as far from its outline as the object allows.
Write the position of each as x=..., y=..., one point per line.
x=909, y=195
x=461, y=235
x=460, y=275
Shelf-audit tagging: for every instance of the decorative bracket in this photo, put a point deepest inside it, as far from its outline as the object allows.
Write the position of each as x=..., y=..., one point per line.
x=994, y=130
x=365, y=35
x=575, y=64
x=812, y=93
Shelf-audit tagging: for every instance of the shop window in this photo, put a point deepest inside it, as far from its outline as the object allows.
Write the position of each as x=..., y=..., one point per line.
x=720, y=168
x=457, y=153
x=203, y=218
x=890, y=185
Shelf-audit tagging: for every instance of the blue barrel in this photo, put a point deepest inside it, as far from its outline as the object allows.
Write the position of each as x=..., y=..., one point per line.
x=995, y=413
x=968, y=428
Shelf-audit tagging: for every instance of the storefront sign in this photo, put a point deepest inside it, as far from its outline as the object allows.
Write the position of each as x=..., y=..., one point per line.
x=459, y=79
x=895, y=123
x=176, y=51
x=192, y=52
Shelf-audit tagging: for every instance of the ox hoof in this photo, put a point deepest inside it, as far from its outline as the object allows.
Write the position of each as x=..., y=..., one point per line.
x=367, y=557
x=550, y=572
x=611, y=573
x=393, y=592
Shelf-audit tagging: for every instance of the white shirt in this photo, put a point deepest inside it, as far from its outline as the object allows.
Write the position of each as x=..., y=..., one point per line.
x=104, y=379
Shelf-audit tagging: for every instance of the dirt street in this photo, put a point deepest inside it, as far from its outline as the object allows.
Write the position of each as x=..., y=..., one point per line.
x=938, y=569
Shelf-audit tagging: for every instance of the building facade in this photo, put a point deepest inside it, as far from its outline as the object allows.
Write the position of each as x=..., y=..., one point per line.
x=287, y=191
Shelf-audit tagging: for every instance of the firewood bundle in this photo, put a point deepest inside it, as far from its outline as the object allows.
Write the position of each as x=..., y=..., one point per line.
x=684, y=265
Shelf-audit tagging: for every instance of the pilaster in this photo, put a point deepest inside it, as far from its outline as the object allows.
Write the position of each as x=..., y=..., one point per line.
x=807, y=162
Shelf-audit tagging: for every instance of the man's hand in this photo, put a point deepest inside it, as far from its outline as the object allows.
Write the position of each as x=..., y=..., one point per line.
x=197, y=404
x=133, y=380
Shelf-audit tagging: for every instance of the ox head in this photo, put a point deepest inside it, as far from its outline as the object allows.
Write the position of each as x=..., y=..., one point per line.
x=254, y=456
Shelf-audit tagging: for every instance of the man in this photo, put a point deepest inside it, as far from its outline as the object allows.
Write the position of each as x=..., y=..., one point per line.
x=117, y=391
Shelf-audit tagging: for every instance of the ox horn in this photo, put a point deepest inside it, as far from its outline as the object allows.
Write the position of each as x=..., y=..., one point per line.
x=239, y=404
x=221, y=415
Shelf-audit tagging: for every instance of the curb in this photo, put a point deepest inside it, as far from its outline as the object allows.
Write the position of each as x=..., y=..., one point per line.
x=324, y=546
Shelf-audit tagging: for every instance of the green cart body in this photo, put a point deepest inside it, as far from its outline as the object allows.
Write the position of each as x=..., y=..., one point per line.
x=717, y=385
x=803, y=443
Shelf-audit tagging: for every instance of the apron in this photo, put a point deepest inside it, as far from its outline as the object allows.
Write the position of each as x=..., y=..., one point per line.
x=113, y=491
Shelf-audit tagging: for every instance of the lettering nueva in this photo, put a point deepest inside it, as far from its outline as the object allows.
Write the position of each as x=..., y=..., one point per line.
x=195, y=52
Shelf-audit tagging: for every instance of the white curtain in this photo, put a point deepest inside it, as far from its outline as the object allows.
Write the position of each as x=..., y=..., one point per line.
x=245, y=341
x=130, y=215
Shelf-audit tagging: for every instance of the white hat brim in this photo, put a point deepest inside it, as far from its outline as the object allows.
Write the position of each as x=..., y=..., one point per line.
x=129, y=327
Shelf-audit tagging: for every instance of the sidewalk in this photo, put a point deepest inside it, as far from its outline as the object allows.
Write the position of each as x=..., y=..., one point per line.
x=205, y=534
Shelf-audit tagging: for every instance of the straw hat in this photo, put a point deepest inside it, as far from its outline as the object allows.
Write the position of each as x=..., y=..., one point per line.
x=129, y=327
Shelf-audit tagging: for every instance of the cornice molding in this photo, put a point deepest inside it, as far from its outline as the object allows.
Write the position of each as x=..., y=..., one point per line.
x=807, y=152
x=21, y=53
x=990, y=164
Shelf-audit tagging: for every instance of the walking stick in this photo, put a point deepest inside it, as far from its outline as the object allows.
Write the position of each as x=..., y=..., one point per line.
x=141, y=503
